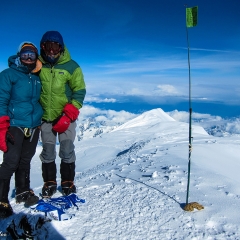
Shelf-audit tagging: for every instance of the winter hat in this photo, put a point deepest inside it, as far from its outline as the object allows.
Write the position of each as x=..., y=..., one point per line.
x=52, y=36
x=27, y=46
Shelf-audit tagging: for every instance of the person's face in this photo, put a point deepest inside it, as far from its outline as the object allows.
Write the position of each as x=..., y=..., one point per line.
x=51, y=48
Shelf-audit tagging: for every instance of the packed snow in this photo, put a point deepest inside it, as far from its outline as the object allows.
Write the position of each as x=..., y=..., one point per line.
x=132, y=172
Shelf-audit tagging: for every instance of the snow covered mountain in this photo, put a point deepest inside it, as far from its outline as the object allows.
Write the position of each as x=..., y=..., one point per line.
x=133, y=177
x=94, y=122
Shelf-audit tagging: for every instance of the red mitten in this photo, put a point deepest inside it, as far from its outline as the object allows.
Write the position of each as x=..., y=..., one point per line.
x=4, y=125
x=62, y=124
x=71, y=111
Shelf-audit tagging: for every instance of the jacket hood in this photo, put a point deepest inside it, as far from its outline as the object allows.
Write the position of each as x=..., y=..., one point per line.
x=15, y=63
x=34, y=47
x=52, y=36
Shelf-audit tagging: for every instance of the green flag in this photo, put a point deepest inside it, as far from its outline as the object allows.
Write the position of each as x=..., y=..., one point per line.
x=192, y=16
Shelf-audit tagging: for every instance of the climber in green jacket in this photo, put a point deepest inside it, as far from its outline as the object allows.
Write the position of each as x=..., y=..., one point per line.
x=62, y=95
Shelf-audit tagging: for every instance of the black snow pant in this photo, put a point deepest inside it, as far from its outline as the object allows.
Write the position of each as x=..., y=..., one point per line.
x=19, y=154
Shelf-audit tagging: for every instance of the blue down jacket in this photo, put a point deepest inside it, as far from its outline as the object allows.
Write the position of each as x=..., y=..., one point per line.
x=19, y=95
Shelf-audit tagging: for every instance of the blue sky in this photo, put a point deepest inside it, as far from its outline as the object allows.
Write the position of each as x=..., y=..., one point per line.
x=135, y=51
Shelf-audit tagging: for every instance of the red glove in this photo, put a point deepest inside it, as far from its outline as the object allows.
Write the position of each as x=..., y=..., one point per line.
x=4, y=125
x=62, y=124
x=71, y=111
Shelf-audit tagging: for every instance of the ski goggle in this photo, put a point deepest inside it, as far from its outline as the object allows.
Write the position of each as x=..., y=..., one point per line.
x=51, y=46
x=28, y=55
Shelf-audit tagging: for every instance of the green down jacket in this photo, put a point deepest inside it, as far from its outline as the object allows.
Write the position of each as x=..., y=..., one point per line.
x=62, y=83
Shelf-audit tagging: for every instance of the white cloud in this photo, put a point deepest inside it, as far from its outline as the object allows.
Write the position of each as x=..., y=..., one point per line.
x=90, y=98
x=233, y=127
x=167, y=89
x=105, y=115
x=210, y=50
x=183, y=116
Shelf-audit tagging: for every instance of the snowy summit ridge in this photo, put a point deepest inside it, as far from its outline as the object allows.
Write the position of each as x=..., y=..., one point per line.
x=147, y=118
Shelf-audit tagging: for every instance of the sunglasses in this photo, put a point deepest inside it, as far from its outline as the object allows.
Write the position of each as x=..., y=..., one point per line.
x=28, y=55
x=51, y=46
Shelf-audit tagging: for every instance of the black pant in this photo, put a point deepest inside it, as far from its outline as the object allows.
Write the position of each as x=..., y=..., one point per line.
x=19, y=154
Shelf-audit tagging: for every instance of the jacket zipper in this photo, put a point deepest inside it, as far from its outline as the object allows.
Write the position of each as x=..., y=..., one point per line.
x=49, y=102
x=32, y=85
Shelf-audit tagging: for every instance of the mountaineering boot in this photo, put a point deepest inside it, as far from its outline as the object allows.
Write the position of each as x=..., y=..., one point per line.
x=48, y=189
x=49, y=172
x=68, y=187
x=23, y=191
x=28, y=197
x=5, y=207
x=67, y=171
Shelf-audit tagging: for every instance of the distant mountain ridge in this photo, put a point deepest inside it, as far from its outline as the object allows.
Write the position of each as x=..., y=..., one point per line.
x=91, y=127
x=101, y=121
